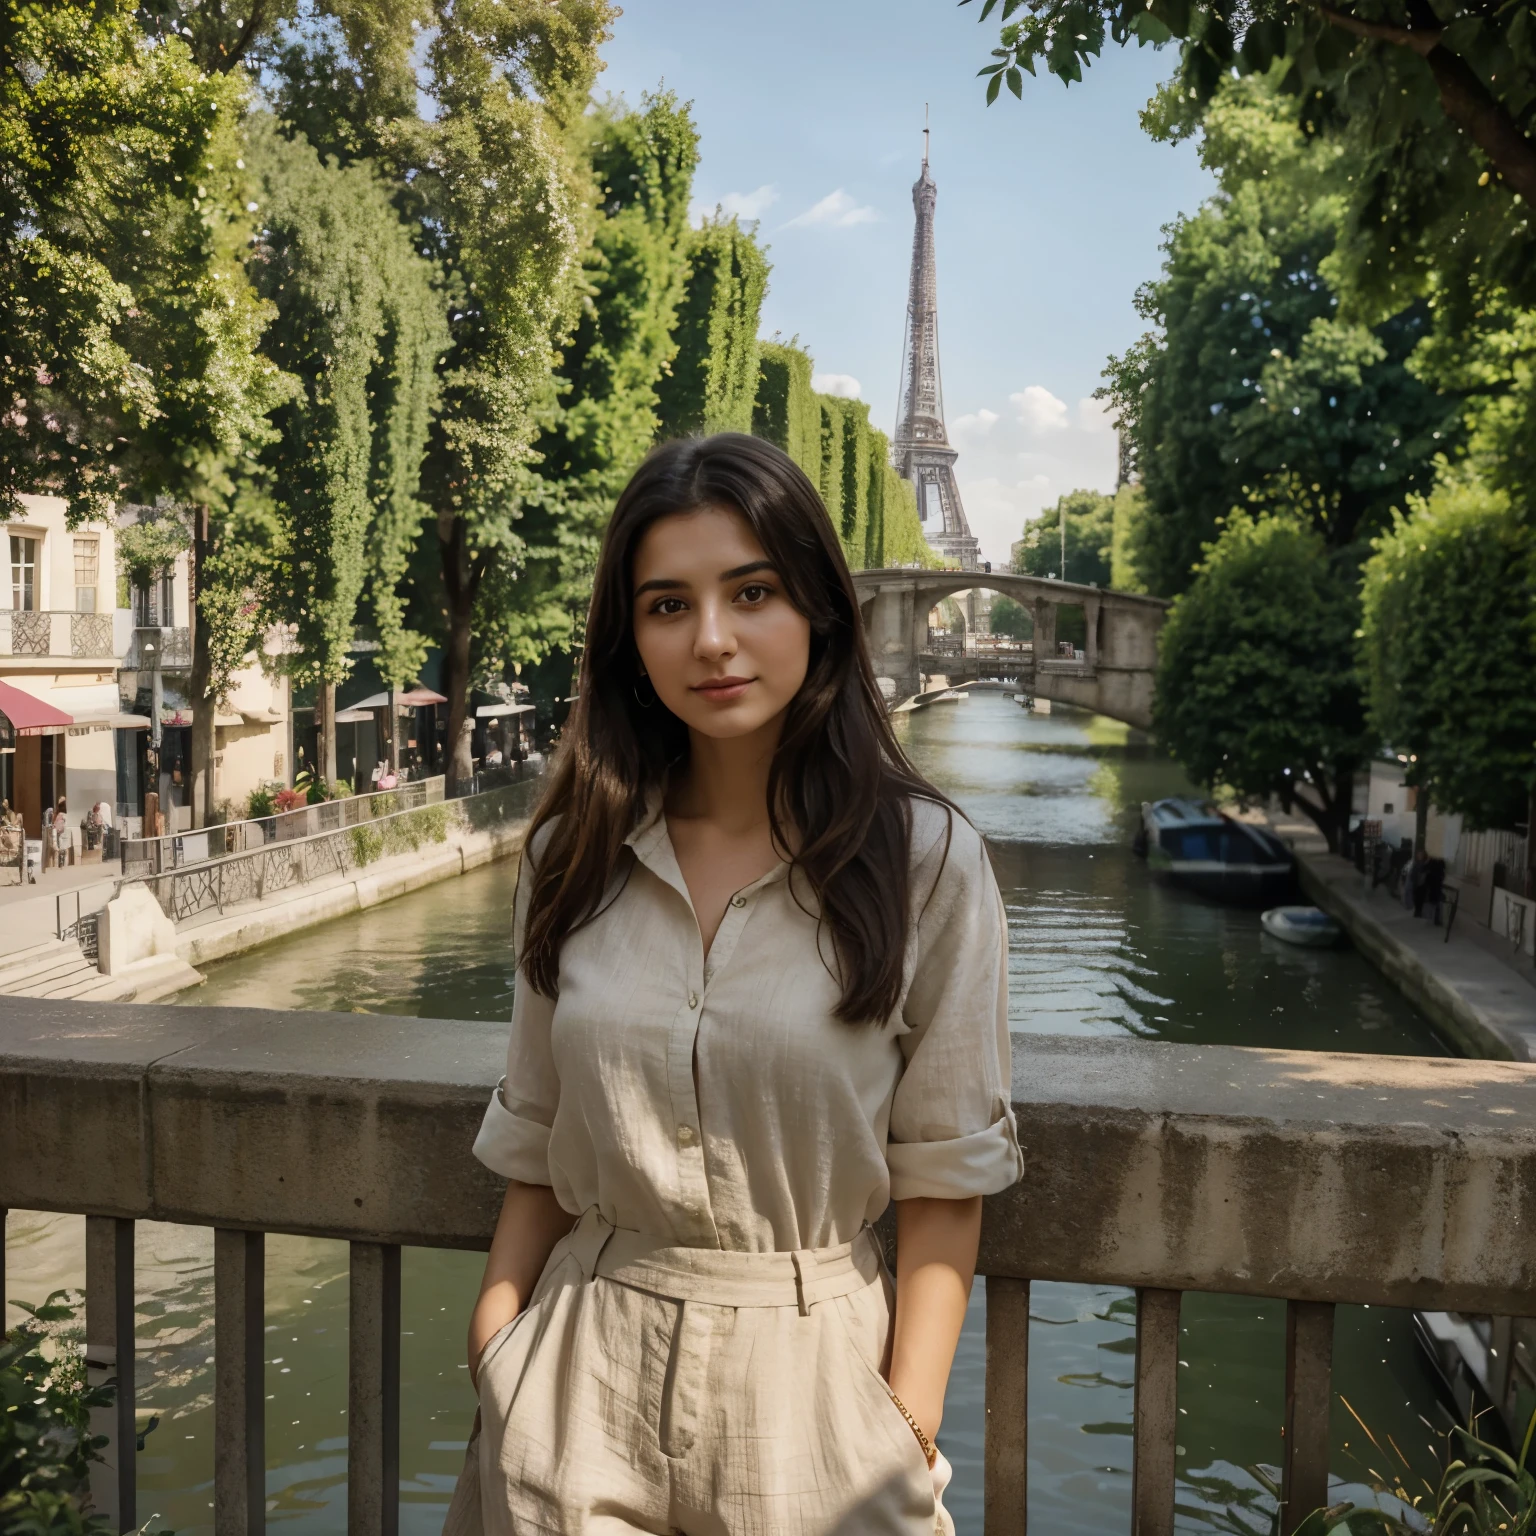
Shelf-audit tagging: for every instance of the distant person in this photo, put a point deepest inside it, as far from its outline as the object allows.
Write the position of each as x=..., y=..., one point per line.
x=1418, y=879
x=493, y=758
x=735, y=866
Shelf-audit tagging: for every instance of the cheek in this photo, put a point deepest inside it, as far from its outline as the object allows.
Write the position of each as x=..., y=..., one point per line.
x=786, y=650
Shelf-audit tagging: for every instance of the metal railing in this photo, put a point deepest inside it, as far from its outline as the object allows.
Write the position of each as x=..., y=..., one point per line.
x=190, y=890
x=55, y=632
x=170, y=646
x=155, y=855
x=1319, y=1178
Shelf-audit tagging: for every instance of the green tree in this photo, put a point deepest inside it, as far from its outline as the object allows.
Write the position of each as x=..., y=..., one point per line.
x=1449, y=650
x=128, y=331
x=360, y=325
x=713, y=380
x=1089, y=518
x=642, y=162
x=1432, y=103
x=1249, y=392
x=786, y=411
x=1011, y=619
x=1125, y=519
x=1256, y=683
x=500, y=198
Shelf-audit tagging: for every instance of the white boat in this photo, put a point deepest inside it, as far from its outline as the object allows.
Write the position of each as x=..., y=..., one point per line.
x=1301, y=925
x=950, y=696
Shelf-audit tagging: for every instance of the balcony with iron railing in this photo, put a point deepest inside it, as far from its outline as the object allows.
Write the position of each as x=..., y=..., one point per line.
x=57, y=633
x=1319, y=1178
x=169, y=647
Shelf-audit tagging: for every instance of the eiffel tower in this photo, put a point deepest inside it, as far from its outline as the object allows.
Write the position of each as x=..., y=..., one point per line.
x=920, y=448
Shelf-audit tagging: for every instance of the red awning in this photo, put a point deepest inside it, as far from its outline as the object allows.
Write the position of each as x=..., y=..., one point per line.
x=30, y=716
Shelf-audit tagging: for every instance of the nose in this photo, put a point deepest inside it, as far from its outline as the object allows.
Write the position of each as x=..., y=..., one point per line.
x=715, y=638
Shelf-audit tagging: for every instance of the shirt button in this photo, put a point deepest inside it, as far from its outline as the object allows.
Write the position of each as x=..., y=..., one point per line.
x=738, y=901
x=693, y=999
x=685, y=1134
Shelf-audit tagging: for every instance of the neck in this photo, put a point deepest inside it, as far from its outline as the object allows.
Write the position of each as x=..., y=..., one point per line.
x=727, y=780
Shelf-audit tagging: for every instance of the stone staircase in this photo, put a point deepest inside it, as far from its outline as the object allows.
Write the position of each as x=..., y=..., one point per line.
x=55, y=968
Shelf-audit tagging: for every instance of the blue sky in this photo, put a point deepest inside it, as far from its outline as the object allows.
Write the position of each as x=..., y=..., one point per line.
x=1049, y=214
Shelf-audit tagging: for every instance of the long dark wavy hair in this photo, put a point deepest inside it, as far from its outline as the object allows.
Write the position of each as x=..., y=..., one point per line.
x=838, y=777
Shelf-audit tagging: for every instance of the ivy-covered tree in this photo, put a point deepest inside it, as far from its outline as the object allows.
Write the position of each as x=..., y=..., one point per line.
x=642, y=163
x=1256, y=682
x=1011, y=619
x=360, y=326
x=1249, y=391
x=713, y=381
x=1449, y=650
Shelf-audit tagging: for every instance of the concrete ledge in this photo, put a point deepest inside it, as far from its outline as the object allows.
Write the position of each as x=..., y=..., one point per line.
x=1482, y=1007
x=1402, y=1181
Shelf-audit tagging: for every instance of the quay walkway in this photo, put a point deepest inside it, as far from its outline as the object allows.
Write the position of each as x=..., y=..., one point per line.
x=1477, y=990
x=1317, y=1177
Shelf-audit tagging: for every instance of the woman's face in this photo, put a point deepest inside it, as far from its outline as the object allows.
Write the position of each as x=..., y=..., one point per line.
x=719, y=639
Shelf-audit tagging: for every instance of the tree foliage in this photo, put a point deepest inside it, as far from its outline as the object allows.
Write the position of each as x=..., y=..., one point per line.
x=1449, y=650
x=1256, y=683
x=1011, y=619
x=1089, y=518
x=360, y=325
x=642, y=162
x=1432, y=102
x=713, y=380
x=127, y=329
x=1249, y=391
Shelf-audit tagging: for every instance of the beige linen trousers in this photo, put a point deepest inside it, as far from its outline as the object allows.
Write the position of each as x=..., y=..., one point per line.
x=704, y=1353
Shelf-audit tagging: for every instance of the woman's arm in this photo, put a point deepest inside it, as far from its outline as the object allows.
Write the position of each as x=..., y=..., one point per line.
x=936, y=1242
x=530, y=1224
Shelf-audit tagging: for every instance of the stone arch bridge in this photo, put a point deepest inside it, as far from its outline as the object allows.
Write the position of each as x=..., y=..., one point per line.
x=1114, y=676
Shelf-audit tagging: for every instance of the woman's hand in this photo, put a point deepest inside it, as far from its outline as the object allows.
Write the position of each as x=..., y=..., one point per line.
x=530, y=1224
x=936, y=1242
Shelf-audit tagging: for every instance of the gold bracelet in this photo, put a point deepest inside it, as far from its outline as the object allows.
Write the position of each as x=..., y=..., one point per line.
x=929, y=1449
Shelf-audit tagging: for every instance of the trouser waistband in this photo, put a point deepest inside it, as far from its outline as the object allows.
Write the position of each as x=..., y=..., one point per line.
x=711, y=1275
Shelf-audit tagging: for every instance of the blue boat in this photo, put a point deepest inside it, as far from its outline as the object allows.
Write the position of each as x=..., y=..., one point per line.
x=1193, y=844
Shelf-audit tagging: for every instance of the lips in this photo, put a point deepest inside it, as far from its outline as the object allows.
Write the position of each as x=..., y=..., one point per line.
x=721, y=690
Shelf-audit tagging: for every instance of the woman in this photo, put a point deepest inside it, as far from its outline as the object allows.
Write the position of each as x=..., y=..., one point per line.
x=761, y=992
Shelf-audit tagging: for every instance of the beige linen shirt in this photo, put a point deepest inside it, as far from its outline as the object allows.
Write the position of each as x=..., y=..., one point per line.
x=716, y=1102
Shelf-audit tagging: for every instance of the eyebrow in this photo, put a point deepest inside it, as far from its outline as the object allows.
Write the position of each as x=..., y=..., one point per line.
x=672, y=584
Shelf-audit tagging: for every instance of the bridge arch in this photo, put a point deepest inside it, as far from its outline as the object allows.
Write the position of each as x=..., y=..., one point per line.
x=1113, y=677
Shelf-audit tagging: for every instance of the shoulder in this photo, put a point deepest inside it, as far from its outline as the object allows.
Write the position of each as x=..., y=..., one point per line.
x=949, y=861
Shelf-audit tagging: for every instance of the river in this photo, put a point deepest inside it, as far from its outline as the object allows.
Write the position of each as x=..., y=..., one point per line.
x=1097, y=947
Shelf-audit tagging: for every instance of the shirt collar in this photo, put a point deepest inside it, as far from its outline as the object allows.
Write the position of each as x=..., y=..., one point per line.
x=652, y=846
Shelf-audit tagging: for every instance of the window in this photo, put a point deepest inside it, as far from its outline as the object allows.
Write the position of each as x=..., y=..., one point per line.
x=86, y=566
x=23, y=574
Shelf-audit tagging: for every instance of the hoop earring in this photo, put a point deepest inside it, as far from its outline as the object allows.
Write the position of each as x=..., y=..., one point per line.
x=644, y=703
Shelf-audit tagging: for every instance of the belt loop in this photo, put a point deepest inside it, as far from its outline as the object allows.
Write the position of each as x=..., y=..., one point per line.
x=797, y=1258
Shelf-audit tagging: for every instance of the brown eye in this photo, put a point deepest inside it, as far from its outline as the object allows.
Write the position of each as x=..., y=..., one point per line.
x=754, y=593
x=668, y=606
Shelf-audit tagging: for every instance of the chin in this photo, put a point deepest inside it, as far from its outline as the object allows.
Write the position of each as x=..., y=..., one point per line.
x=726, y=725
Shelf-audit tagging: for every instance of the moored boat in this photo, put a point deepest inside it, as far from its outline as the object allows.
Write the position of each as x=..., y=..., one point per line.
x=1302, y=925
x=1195, y=845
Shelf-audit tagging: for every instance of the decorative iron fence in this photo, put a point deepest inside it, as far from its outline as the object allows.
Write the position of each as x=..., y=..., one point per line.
x=155, y=855
x=190, y=890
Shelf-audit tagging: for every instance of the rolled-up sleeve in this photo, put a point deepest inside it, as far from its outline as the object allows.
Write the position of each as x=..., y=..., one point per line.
x=952, y=1132
x=514, y=1135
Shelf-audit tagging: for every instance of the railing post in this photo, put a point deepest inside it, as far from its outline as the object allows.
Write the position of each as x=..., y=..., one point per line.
x=1156, y=1414
x=239, y=1374
x=109, y=1353
x=1006, y=1442
x=373, y=1392
x=1308, y=1404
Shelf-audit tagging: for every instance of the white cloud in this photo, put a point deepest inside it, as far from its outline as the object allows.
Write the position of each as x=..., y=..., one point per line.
x=843, y=384
x=742, y=205
x=976, y=424
x=1093, y=415
x=837, y=210
x=1039, y=410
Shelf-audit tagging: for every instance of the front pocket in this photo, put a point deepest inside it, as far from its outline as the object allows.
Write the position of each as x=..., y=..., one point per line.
x=894, y=1418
